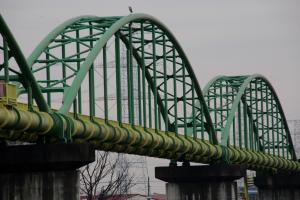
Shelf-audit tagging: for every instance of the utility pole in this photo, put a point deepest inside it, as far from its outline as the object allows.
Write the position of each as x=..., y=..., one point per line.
x=148, y=191
x=138, y=164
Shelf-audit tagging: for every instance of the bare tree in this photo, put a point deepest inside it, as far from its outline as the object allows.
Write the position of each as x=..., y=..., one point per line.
x=107, y=176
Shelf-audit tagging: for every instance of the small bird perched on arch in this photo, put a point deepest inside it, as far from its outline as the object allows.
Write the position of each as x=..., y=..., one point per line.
x=130, y=9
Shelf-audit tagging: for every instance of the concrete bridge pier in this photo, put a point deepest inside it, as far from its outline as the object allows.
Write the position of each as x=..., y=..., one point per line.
x=278, y=186
x=44, y=172
x=210, y=182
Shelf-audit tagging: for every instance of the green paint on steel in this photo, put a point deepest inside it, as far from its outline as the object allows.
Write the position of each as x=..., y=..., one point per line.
x=253, y=110
x=24, y=67
x=51, y=36
x=110, y=29
x=178, y=123
x=102, y=136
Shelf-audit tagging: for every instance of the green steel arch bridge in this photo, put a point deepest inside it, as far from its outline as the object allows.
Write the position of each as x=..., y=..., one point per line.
x=53, y=97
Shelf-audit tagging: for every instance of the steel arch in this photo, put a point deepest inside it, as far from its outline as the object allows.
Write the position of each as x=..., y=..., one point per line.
x=120, y=27
x=243, y=108
x=25, y=77
x=249, y=104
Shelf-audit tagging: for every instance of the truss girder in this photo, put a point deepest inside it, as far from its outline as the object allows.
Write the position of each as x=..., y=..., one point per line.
x=148, y=42
x=237, y=119
x=246, y=112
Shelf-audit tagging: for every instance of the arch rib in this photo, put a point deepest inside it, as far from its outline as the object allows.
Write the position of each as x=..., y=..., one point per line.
x=23, y=65
x=85, y=66
x=52, y=35
x=239, y=98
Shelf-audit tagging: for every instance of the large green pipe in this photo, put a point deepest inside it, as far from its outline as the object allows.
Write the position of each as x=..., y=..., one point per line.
x=19, y=124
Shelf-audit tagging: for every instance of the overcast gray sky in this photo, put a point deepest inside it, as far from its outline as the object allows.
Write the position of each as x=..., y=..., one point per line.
x=220, y=37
